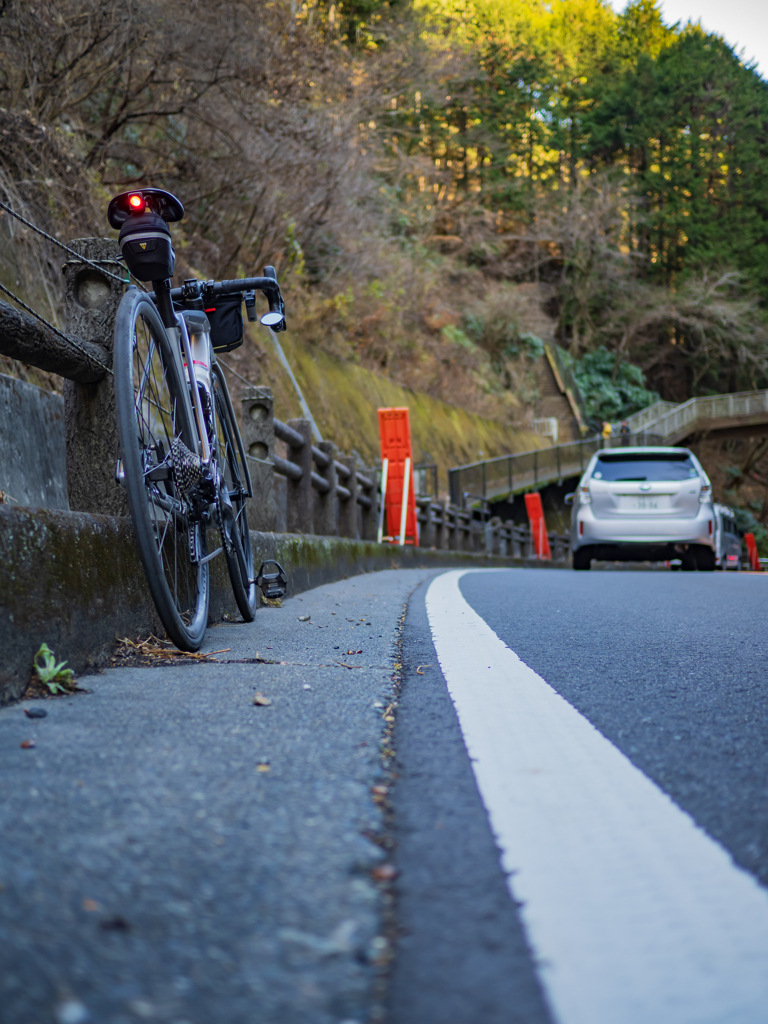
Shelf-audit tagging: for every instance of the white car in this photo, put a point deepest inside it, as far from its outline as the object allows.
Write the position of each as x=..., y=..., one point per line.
x=727, y=539
x=644, y=504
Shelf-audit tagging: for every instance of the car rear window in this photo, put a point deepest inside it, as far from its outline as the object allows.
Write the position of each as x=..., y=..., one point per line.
x=615, y=468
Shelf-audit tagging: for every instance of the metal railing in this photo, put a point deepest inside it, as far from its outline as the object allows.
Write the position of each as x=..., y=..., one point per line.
x=662, y=423
x=673, y=422
x=524, y=471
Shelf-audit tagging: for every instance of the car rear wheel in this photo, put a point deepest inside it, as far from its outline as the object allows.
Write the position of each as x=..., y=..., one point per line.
x=705, y=559
x=581, y=559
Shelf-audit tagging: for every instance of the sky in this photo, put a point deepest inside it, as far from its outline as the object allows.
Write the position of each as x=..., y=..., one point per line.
x=742, y=23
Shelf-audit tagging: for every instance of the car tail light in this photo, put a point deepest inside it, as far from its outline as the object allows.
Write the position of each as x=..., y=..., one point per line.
x=585, y=498
x=710, y=527
x=705, y=494
x=581, y=529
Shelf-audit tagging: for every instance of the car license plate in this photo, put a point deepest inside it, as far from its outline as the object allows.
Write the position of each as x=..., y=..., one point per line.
x=645, y=504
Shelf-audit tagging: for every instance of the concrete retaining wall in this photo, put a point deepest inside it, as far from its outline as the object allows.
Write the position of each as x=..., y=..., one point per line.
x=33, y=457
x=75, y=581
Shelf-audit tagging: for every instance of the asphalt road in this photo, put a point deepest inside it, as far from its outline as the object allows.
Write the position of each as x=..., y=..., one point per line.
x=670, y=669
x=172, y=852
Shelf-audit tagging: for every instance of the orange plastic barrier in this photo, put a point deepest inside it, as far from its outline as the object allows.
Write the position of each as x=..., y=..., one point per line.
x=535, y=512
x=397, y=461
x=754, y=558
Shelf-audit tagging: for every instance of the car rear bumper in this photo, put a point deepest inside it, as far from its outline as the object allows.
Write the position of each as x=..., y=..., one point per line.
x=635, y=532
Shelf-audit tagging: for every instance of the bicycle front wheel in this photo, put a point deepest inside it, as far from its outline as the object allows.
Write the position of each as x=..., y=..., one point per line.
x=235, y=481
x=152, y=418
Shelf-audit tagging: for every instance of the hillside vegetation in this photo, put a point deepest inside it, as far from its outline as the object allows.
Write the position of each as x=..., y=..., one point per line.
x=422, y=173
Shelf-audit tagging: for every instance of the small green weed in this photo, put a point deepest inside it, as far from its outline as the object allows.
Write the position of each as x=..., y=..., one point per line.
x=57, y=678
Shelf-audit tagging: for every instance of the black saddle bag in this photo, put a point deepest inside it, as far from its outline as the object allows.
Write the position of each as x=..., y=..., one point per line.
x=145, y=242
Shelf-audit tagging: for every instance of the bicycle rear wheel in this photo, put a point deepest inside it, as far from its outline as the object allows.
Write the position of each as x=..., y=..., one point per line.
x=236, y=481
x=151, y=403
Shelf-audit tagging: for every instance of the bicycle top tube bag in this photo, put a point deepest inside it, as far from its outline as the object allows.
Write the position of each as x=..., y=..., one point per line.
x=145, y=242
x=225, y=314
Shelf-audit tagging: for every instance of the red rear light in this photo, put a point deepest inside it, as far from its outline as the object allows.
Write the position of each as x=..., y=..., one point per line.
x=710, y=527
x=136, y=202
x=581, y=529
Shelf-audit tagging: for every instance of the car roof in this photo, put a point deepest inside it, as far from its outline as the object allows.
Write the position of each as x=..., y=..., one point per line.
x=640, y=449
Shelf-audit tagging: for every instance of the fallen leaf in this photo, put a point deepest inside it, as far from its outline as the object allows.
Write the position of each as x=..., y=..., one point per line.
x=35, y=712
x=303, y=618
x=262, y=767
x=420, y=669
x=28, y=744
x=384, y=873
x=261, y=700
x=154, y=648
x=91, y=906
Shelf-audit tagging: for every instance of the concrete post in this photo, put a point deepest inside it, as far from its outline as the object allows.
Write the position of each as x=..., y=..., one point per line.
x=492, y=536
x=299, y=513
x=454, y=534
x=258, y=431
x=370, y=516
x=324, y=517
x=508, y=547
x=441, y=530
x=348, y=509
x=427, y=528
x=93, y=447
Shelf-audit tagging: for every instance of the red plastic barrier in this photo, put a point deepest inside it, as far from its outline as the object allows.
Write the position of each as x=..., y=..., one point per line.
x=754, y=558
x=395, y=434
x=535, y=512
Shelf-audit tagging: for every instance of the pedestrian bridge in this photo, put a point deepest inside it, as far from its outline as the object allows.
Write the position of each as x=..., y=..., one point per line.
x=663, y=423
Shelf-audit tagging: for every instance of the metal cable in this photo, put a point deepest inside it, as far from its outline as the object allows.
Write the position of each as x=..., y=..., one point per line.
x=229, y=369
x=66, y=248
x=50, y=326
x=72, y=252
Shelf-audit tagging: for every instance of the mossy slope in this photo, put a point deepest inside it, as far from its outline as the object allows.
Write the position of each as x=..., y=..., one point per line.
x=344, y=397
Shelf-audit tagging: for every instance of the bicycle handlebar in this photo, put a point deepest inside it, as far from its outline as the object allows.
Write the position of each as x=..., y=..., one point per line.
x=195, y=289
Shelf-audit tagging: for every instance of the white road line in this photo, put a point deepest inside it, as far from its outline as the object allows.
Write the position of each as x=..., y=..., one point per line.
x=633, y=913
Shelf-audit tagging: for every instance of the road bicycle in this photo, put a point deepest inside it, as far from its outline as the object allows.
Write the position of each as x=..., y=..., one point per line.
x=182, y=460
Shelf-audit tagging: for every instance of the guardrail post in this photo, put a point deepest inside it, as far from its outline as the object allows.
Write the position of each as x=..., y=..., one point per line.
x=93, y=447
x=299, y=511
x=508, y=537
x=348, y=509
x=441, y=525
x=258, y=432
x=324, y=518
x=426, y=523
x=369, y=514
x=451, y=532
x=493, y=536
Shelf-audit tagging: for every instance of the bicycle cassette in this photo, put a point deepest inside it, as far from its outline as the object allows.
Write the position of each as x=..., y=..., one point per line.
x=187, y=470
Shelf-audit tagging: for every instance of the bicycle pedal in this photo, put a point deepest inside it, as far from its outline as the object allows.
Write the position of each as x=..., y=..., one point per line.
x=272, y=584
